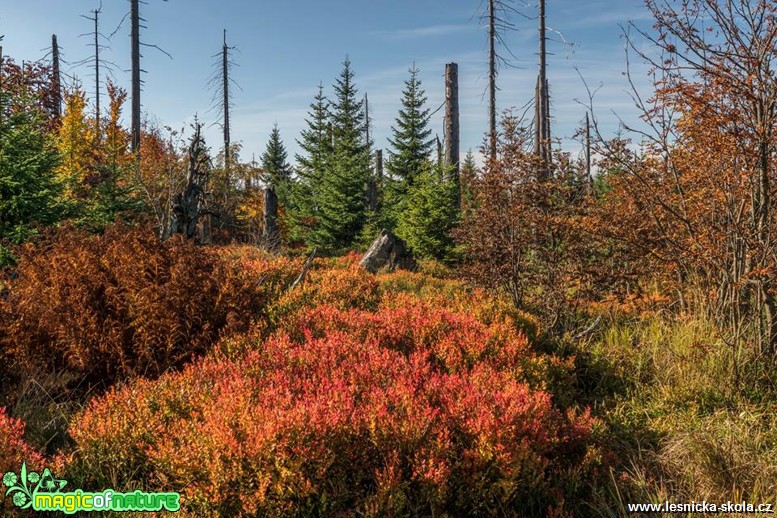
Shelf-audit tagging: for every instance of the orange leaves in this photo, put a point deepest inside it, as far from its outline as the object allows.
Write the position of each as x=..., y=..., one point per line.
x=125, y=304
x=350, y=393
x=350, y=410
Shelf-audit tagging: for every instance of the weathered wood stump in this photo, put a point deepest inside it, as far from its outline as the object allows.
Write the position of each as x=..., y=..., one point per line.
x=188, y=206
x=387, y=251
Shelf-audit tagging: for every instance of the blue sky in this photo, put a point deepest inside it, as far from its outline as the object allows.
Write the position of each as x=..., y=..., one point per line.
x=285, y=49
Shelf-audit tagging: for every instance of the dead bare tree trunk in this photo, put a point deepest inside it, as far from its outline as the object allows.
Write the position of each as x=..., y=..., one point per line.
x=304, y=272
x=367, y=119
x=96, y=34
x=97, y=74
x=56, y=80
x=589, y=175
x=376, y=182
x=492, y=79
x=372, y=182
x=225, y=77
x=379, y=164
x=452, y=117
x=135, y=37
x=546, y=103
x=272, y=235
x=452, y=126
x=542, y=103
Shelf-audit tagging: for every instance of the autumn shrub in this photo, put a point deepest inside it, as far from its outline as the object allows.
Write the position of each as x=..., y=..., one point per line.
x=124, y=304
x=454, y=341
x=423, y=285
x=13, y=448
x=342, y=284
x=402, y=412
x=434, y=268
x=457, y=296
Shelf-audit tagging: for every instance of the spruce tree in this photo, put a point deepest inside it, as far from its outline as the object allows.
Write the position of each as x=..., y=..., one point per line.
x=411, y=146
x=467, y=176
x=276, y=174
x=316, y=144
x=114, y=193
x=429, y=212
x=411, y=142
x=29, y=192
x=342, y=200
x=275, y=166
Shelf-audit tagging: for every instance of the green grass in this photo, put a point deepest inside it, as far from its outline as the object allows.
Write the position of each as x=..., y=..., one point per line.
x=683, y=425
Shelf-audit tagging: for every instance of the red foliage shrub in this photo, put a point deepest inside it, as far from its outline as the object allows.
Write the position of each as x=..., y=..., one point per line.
x=408, y=411
x=455, y=341
x=346, y=286
x=124, y=303
x=13, y=448
x=456, y=296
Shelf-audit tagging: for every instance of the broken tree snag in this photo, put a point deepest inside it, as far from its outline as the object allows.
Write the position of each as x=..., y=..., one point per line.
x=271, y=235
x=379, y=165
x=188, y=205
x=452, y=125
x=56, y=80
x=135, y=37
x=305, y=268
x=452, y=115
x=387, y=251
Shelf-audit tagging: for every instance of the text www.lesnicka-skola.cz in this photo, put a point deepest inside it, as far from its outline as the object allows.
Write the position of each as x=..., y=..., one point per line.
x=701, y=507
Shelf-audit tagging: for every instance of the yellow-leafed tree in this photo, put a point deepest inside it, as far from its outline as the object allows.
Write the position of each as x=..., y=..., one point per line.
x=76, y=145
x=115, y=150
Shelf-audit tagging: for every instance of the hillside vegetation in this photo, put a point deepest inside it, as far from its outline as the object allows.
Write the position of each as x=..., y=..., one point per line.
x=580, y=334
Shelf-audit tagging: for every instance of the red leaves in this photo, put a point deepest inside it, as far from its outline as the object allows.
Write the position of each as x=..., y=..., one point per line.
x=355, y=407
x=13, y=448
x=364, y=396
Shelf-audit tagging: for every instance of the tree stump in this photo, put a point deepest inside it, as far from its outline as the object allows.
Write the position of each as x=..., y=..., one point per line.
x=388, y=251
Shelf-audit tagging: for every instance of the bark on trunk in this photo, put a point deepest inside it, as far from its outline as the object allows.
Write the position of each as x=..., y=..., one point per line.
x=135, y=20
x=272, y=237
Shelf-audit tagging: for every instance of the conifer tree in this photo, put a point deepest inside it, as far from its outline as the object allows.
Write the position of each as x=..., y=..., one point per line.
x=77, y=168
x=316, y=145
x=411, y=141
x=113, y=187
x=276, y=172
x=429, y=212
x=342, y=200
x=411, y=146
x=421, y=199
x=275, y=166
x=469, y=172
x=28, y=189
